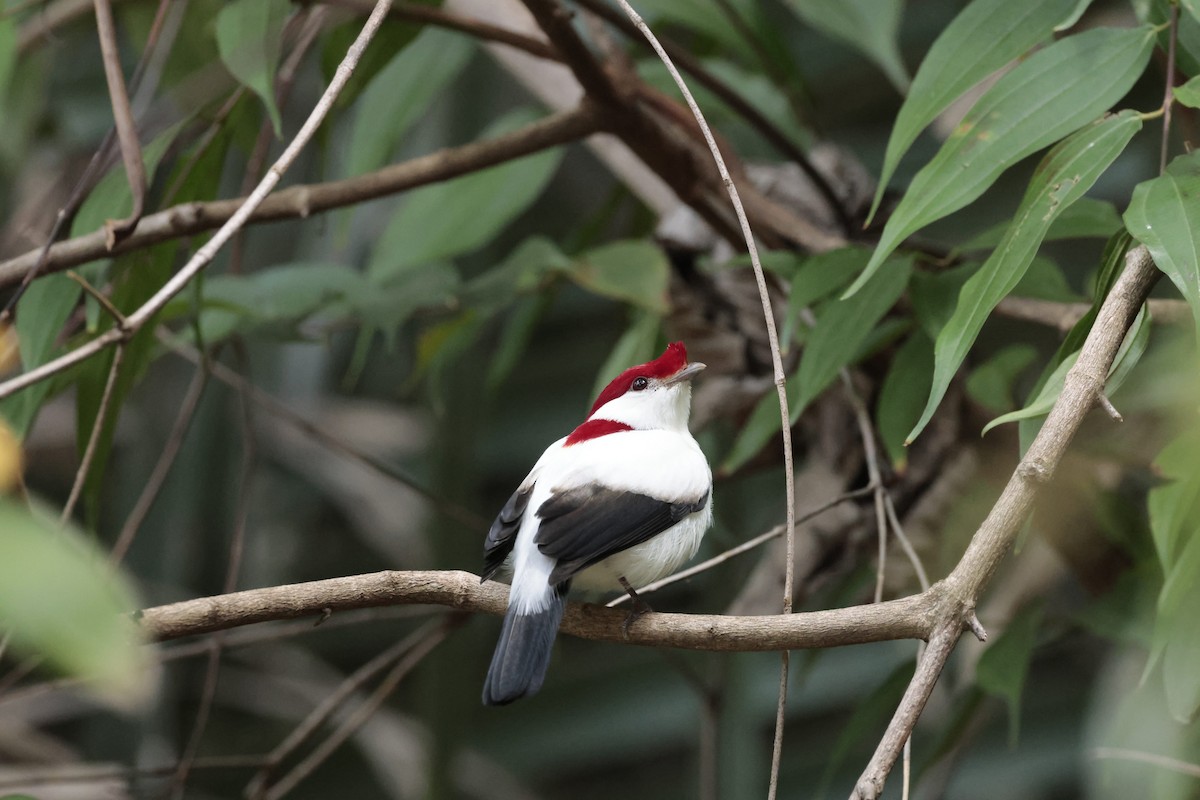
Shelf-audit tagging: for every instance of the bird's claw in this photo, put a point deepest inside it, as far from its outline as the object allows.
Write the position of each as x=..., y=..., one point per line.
x=637, y=609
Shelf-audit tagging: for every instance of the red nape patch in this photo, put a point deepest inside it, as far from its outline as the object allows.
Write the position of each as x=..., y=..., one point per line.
x=595, y=428
x=673, y=359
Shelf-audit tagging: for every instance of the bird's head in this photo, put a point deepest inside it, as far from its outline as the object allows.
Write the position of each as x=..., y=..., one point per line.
x=652, y=396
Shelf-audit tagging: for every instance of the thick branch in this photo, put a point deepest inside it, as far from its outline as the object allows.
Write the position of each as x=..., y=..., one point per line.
x=999, y=531
x=303, y=200
x=907, y=618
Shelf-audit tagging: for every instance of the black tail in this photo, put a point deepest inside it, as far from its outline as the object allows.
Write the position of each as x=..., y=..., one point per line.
x=523, y=652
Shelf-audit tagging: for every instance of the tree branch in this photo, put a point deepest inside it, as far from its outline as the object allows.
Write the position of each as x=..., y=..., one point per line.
x=303, y=200
x=906, y=618
x=999, y=531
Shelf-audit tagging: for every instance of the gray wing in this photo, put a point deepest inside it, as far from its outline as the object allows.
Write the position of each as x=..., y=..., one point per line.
x=503, y=533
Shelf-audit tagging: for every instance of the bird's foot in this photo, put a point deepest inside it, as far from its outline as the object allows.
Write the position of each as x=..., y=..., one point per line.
x=637, y=609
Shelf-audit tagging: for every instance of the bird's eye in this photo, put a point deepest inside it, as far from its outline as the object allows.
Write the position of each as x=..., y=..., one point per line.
x=639, y=384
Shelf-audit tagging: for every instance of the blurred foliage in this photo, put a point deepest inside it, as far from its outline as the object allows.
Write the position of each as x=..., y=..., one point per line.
x=451, y=331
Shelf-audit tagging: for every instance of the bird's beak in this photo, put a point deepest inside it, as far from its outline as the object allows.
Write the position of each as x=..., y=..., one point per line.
x=685, y=374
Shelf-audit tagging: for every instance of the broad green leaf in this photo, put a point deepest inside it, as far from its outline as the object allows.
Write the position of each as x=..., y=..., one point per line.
x=1004, y=665
x=60, y=600
x=1087, y=218
x=985, y=36
x=1052, y=93
x=43, y=312
x=519, y=325
x=934, y=295
x=635, y=272
x=393, y=36
x=816, y=278
x=1192, y=7
x=461, y=215
x=1041, y=405
x=903, y=391
x=636, y=346
x=250, y=39
x=1189, y=93
x=1175, y=506
x=1064, y=175
x=871, y=26
x=521, y=272
x=1164, y=215
x=703, y=17
x=1044, y=280
x=844, y=329
x=402, y=92
x=991, y=383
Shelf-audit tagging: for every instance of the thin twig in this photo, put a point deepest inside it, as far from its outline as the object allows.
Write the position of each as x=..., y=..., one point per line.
x=100, y=298
x=205, y=254
x=89, y=452
x=131, y=149
x=1168, y=95
x=330, y=705
x=744, y=547
x=776, y=361
x=1166, y=762
x=91, y=773
x=414, y=656
x=284, y=413
x=162, y=467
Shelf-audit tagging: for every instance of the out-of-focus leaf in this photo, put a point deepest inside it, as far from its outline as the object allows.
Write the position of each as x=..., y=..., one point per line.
x=1044, y=280
x=991, y=383
x=1004, y=665
x=843, y=328
x=1189, y=93
x=392, y=37
x=250, y=39
x=985, y=36
x=869, y=717
x=519, y=273
x=816, y=278
x=461, y=215
x=517, y=333
x=1175, y=505
x=1176, y=635
x=1052, y=93
x=635, y=272
x=1086, y=218
x=870, y=26
x=8, y=53
x=44, y=310
x=402, y=92
x=1064, y=175
x=904, y=390
x=636, y=346
x=1132, y=348
x=60, y=601
x=1164, y=215
x=704, y=18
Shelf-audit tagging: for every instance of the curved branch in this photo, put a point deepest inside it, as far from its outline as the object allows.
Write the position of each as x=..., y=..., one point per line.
x=906, y=618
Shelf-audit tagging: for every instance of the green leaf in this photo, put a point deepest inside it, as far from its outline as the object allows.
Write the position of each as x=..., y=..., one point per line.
x=1175, y=506
x=1131, y=350
x=1044, y=280
x=1004, y=665
x=816, y=278
x=1189, y=93
x=1052, y=93
x=635, y=272
x=519, y=325
x=844, y=328
x=8, y=54
x=44, y=310
x=1086, y=218
x=1064, y=175
x=991, y=383
x=59, y=600
x=1176, y=635
x=870, y=26
x=904, y=390
x=402, y=92
x=250, y=39
x=984, y=37
x=393, y=36
x=1164, y=215
x=637, y=345
x=461, y=215
x=934, y=295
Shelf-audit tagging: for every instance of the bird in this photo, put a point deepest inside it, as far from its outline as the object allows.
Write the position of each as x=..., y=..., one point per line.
x=622, y=500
